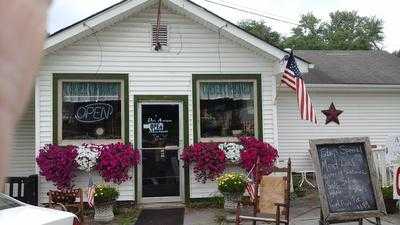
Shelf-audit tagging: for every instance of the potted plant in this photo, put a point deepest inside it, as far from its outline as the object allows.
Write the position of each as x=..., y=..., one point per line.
x=207, y=158
x=232, y=186
x=390, y=203
x=104, y=199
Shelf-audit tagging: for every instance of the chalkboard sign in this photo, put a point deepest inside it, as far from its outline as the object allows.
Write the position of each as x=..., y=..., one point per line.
x=346, y=178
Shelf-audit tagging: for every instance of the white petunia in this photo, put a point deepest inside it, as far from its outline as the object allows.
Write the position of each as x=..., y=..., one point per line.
x=87, y=157
x=232, y=151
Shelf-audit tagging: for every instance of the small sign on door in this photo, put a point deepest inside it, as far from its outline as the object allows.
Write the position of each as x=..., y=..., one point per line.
x=396, y=182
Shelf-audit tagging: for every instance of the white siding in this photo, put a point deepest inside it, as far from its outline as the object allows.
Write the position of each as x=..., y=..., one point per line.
x=127, y=49
x=372, y=114
x=22, y=157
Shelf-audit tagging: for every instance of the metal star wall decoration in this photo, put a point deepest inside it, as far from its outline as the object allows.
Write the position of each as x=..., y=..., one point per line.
x=332, y=114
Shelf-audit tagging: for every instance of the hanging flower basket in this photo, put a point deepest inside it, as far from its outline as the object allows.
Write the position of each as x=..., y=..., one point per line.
x=57, y=164
x=253, y=149
x=87, y=157
x=208, y=160
x=115, y=161
x=232, y=151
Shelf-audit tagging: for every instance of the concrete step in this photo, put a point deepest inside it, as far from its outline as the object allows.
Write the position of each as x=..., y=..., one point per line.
x=168, y=205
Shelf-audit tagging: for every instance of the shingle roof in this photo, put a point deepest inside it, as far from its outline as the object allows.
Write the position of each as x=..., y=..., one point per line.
x=351, y=67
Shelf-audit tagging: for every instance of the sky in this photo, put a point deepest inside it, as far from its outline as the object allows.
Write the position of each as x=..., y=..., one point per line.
x=65, y=12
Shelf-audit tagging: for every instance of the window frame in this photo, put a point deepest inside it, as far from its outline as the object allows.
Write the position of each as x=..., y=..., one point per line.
x=57, y=107
x=198, y=79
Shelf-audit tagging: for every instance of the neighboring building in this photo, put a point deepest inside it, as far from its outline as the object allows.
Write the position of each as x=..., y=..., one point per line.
x=364, y=84
x=210, y=81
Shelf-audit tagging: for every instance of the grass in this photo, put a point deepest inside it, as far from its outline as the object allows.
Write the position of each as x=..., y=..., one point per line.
x=128, y=216
x=201, y=203
x=219, y=217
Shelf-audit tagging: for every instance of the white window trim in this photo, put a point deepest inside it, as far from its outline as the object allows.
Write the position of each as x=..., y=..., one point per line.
x=225, y=139
x=60, y=141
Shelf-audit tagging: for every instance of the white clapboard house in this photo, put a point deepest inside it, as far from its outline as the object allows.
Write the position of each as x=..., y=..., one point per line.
x=209, y=81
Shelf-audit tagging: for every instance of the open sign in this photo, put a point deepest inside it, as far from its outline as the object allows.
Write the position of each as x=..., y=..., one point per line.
x=94, y=112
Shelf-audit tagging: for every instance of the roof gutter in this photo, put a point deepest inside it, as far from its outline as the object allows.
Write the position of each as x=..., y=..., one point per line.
x=374, y=86
x=351, y=88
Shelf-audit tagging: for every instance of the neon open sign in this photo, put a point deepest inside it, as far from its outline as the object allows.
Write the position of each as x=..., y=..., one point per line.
x=95, y=112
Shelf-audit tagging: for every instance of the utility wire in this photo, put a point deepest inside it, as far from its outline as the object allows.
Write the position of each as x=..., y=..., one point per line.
x=99, y=45
x=258, y=11
x=252, y=12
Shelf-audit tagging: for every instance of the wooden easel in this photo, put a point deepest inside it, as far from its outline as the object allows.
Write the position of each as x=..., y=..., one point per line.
x=322, y=221
x=361, y=147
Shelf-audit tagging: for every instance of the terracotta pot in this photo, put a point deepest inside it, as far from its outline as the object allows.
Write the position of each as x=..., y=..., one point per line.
x=390, y=204
x=103, y=212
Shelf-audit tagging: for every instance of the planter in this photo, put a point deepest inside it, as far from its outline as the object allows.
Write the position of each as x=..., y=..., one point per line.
x=103, y=212
x=390, y=205
x=230, y=204
x=63, y=197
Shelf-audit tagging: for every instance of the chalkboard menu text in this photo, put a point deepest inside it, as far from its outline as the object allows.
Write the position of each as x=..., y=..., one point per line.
x=346, y=178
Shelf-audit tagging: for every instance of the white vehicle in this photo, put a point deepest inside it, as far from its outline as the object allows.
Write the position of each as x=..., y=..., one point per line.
x=14, y=212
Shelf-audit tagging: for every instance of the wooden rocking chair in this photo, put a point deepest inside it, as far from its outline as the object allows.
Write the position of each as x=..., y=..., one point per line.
x=272, y=204
x=75, y=207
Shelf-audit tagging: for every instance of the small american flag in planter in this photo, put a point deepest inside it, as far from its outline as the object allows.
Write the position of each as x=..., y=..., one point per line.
x=90, y=192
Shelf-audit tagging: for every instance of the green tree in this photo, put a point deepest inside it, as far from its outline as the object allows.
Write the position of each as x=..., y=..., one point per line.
x=262, y=31
x=345, y=30
x=309, y=34
x=349, y=31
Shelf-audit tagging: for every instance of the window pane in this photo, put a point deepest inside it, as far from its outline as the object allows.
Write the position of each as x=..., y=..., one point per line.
x=160, y=126
x=91, y=110
x=226, y=109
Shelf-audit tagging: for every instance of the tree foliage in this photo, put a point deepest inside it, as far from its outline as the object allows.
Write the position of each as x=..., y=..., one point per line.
x=345, y=30
x=262, y=31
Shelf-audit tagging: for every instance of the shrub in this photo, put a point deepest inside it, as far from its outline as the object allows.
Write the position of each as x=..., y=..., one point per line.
x=208, y=159
x=254, y=148
x=387, y=192
x=57, y=164
x=105, y=194
x=232, y=183
x=116, y=160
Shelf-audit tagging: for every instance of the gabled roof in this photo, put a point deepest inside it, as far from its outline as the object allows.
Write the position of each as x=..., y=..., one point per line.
x=352, y=67
x=126, y=8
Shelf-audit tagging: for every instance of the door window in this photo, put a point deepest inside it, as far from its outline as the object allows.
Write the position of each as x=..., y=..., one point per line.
x=160, y=126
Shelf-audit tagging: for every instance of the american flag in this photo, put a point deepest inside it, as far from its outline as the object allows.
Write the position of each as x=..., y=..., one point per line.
x=251, y=189
x=90, y=192
x=251, y=184
x=292, y=77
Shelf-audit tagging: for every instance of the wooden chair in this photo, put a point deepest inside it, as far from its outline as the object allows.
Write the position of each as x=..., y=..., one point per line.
x=272, y=204
x=76, y=207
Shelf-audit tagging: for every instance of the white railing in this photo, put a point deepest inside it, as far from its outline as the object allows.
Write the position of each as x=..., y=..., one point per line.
x=385, y=175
